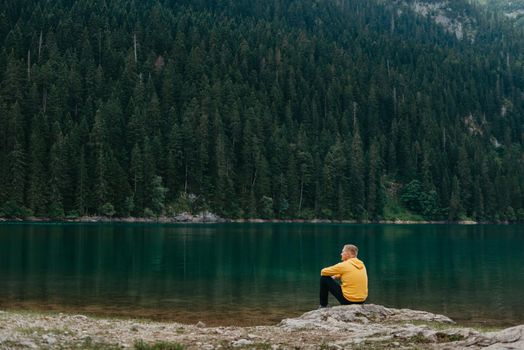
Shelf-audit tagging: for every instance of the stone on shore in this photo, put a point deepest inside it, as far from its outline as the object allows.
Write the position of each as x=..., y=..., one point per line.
x=202, y=217
x=341, y=327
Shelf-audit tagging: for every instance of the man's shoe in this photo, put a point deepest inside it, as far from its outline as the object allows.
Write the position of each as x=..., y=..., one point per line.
x=324, y=307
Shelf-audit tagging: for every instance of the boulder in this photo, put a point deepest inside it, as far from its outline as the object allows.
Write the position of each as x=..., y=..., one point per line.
x=49, y=339
x=349, y=315
x=183, y=217
x=208, y=216
x=241, y=342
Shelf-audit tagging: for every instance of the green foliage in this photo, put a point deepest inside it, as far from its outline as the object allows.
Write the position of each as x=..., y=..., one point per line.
x=308, y=104
x=158, y=195
x=148, y=213
x=56, y=211
x=326, y=214
x=393, y=210
x=455, y=207
x=307, y=214
x=182, y=204
x=266, y=207
x=72, y=215
x=424, y=203
x=187, y=202
x=141, y=345
x=107, y=209
x=89, y=344
x=129, y=206
x=520, y=215
x=11, y=209
x=510, y=215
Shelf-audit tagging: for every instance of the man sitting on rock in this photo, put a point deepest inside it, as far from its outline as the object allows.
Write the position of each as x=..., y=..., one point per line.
x=352, y=274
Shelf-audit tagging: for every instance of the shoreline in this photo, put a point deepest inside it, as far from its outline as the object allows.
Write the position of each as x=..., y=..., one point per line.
x=213, y=219
x=215, y=318
x=352, y=326
x=224, y=318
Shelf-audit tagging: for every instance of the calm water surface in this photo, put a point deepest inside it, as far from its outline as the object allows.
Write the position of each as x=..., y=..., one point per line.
x=247, y=274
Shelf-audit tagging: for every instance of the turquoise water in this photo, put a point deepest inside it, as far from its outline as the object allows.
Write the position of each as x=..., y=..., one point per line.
x=245, y=274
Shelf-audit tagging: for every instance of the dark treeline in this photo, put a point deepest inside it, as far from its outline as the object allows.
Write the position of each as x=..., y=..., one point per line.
x=275, y=109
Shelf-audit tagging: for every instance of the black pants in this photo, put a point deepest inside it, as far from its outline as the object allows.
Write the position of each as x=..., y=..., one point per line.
x=328, y=284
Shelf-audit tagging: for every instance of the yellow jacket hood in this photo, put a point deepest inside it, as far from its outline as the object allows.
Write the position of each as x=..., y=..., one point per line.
x=357, y=263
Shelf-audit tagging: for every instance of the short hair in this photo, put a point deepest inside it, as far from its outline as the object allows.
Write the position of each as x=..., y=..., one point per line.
x=351, y=248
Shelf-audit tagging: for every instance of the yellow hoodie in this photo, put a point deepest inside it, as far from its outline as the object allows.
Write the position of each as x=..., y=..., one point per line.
x=353, y=276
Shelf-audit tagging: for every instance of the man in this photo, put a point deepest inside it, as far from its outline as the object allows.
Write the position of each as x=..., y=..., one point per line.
x=353, y=276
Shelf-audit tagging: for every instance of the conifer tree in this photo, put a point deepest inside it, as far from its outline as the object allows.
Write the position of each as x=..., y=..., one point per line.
x=373, y=182
x=455, y=206
x=38, y=188
x=356, y=176
x=82, y=185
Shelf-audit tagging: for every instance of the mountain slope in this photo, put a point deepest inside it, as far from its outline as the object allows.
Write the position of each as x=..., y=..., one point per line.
x=304, y=108
x=511, y=9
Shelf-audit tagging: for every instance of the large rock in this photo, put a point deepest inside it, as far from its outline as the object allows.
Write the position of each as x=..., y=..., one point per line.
x=368, y=324
x=509, y=338
x=183, y=217
x=205, y=216
x=344, y=316
x=208, y=216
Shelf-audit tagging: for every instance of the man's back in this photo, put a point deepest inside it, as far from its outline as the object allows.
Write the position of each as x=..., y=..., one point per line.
x=353, y=276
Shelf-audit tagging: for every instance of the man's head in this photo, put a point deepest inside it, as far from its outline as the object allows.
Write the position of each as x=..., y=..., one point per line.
x=349, y=251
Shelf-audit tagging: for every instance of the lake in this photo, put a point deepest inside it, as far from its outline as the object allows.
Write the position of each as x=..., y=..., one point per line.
x=248, y=274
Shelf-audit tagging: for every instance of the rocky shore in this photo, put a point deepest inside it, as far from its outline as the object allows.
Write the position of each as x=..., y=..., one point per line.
x=209, y=217
x=343, y=327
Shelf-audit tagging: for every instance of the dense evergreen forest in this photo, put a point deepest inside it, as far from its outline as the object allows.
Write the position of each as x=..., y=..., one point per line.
x=507, y=6
x=341, y=109
x=512, y=9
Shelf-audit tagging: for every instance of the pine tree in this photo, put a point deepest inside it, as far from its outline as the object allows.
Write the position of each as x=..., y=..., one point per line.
x=16, y=157
x=38, y=196
x=149, y=168
x=82, y=184
x=305, y=164
x=455, y=206
x=202, y=155
x=225, y=201
x=334, y=181
x=100, y=148
x=17, y=173
x=158, y=195
x=137, y=178
x=373, y=182
x=293, y=186
x=356, y=177
x=464, y=176
x=56, y=182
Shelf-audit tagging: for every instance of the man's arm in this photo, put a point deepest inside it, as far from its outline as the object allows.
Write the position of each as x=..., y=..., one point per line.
x=332, y=270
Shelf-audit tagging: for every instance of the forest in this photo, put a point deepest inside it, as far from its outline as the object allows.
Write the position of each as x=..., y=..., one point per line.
x=298, y=109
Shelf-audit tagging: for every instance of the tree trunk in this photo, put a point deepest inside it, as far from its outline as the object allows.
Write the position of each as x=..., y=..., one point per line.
x=29, y=65
x=301, y=193
x=39, y=46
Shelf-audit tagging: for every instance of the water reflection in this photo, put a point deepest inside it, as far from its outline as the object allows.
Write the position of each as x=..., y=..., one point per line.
x=257, y=273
